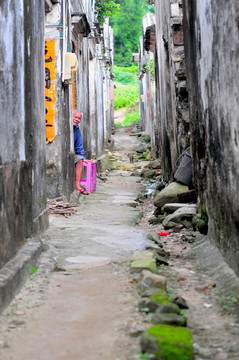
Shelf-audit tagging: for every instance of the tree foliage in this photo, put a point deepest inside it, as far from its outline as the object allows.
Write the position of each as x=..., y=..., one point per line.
x=127, y=26
x=105, y=9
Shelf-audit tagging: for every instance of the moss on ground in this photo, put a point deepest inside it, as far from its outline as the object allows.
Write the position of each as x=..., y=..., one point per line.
x=149, y=264
x=160, y=298
x=168, y=342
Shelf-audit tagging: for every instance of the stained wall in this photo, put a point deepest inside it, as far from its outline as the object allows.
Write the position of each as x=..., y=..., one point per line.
x=22, y=125
x=212, y=50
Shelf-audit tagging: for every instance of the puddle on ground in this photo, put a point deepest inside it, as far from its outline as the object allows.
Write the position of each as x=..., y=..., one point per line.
x=150, y=186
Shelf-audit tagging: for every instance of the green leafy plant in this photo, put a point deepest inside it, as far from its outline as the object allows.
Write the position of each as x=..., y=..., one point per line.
x=152, y=69
x=33, y=270
x=145, y=309
x=182, y=312
x=229, y=304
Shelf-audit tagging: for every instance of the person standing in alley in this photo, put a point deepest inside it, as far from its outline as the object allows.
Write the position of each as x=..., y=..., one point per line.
x=79, y=151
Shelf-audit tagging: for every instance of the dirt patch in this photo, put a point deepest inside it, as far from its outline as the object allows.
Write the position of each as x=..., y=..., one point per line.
x=119, y=115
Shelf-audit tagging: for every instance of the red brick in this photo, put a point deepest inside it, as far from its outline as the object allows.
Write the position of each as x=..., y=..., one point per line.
x=178, y=36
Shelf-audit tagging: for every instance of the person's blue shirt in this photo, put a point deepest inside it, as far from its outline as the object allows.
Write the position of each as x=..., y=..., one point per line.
x=78, y=144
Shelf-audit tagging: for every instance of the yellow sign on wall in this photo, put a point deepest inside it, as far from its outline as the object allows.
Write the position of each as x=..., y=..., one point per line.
x=50, y=90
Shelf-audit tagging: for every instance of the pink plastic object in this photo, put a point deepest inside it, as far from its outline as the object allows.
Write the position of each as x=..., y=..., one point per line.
x=90, y=180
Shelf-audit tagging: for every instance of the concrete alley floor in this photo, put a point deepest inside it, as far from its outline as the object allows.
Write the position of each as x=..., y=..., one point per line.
x=81, y=303
x=83, y=309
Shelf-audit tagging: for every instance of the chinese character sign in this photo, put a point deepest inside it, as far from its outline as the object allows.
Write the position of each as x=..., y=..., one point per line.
x=50, y=90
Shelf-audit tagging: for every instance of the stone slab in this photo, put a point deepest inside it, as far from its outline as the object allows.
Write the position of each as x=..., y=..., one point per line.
x=17, y=270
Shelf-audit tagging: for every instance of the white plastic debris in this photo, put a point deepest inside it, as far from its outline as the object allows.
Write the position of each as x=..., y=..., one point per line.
x=207, y=305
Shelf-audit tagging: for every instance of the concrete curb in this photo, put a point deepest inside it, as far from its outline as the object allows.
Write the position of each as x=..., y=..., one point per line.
x=16, y=271
x=209, y=259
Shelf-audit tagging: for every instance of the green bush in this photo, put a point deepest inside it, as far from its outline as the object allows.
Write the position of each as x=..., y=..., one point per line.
x=126, y=75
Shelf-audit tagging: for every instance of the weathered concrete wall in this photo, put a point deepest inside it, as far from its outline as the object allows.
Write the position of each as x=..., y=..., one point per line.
x=99, y=106
x=212, y=50
x=158, y=144
x=60, y=153
x=147, y=95
x=34, y=108
x=162, y=11
x=143, y=88
x=22, y=126
x=93, y=123
x=111, y=84
x=171, y=84
x=107, y=103
x=108, y=54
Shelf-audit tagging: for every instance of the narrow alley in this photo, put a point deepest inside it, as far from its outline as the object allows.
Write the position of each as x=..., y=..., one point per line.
x=119, y=180
x=83, y=300
x=79, y=303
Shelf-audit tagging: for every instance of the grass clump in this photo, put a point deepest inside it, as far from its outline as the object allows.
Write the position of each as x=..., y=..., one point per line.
x=126, y=95
x=131, y=117
x=129, y=120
